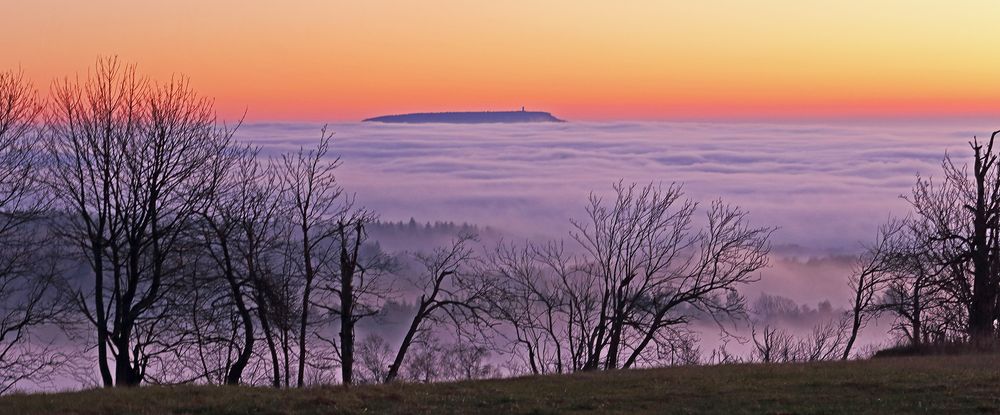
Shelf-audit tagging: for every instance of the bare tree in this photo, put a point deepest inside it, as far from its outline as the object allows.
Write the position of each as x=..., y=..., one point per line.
x=684, y=350
x=446, y=293
x=962, y=213
x=356, y=289
x=827, y=341
x=650, y=265
x=984, y=242
x=29, y=264
x=315, y=200
x=542, y=299
x=722, y=356
x=425, y=364
x=374, y=356
x=913, y=294
x=873, y=270
x=918, y=293
x=132, y=164
x=466, y=361
x=773, y=345
x=213, y=323
x=243, y=231
x=644, y=273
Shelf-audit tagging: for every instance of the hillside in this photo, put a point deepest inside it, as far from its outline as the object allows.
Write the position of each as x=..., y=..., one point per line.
x=943, y=384
x=467, y=117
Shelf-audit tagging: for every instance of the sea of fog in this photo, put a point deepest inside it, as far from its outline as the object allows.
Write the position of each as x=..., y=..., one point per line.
x=826, y=186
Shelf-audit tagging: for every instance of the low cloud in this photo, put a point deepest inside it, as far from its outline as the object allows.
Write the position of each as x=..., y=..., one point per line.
x=825, y=186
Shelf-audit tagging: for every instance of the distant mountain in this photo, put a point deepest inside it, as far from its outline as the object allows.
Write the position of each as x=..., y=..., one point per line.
x=469, y=117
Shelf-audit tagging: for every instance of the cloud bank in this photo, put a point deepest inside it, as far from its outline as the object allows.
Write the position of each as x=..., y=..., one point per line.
x=825, y=185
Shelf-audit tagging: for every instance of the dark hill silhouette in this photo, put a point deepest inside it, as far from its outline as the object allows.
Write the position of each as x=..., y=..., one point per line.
x=467, y=117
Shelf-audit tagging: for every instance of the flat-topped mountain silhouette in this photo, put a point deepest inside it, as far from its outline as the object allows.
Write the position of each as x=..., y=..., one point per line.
x=467, y=117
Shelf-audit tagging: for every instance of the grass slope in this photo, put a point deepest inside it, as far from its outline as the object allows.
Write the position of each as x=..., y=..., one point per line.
x=939, y=384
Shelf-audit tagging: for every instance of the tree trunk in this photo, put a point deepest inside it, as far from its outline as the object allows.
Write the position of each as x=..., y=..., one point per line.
x=856, y=319
x=615, y=338
x=306, y=292
x=347, y=329
x=236, y=370
x=265, y=324
x=405, y=345
x=102, y=319
x=983, y=295
x=125, y=374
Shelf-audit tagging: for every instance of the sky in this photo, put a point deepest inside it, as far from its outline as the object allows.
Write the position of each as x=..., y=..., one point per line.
x=581, y=60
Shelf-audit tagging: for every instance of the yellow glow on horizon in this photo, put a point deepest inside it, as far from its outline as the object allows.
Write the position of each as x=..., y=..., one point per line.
x=331, y=60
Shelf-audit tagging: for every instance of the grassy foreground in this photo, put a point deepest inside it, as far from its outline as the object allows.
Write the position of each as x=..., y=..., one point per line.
x=938, y=384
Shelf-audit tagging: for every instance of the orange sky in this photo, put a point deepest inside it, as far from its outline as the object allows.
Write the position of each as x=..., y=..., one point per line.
x=333, y=60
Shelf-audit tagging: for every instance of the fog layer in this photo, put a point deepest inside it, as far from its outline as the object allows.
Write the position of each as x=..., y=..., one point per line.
x=826, y=186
